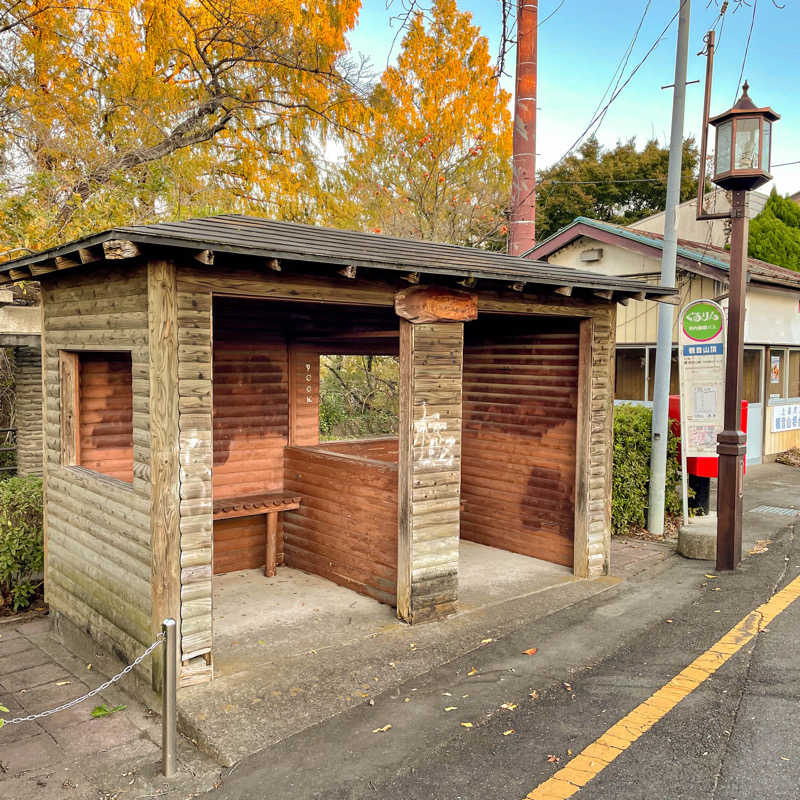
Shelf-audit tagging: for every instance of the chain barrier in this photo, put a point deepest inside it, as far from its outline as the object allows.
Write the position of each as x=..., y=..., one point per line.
x=103, y=686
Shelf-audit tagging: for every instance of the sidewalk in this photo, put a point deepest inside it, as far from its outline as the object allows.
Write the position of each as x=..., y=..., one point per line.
x=70, y=755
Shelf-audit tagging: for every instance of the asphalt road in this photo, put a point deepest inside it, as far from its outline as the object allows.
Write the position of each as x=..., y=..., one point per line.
x=734, y=737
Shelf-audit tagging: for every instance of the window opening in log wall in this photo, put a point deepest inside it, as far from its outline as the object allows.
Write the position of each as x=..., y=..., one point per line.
x=97, y=412
x=359, y=396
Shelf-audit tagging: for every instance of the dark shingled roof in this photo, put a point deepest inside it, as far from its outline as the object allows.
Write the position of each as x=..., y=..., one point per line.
x=290, y=241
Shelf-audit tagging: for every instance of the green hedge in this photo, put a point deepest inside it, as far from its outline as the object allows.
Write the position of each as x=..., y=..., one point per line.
x=631, y=479
x=21, y=540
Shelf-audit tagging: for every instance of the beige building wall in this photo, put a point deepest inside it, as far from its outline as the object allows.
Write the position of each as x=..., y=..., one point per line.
x=716, y=232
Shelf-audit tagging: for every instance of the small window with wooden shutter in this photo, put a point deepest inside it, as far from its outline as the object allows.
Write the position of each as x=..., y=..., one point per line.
x=97, y=412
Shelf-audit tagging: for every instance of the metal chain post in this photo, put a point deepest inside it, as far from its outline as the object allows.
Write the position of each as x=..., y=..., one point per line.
x=169, y=728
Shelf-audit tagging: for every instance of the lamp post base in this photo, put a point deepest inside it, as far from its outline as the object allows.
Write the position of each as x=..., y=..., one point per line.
x=731, y=447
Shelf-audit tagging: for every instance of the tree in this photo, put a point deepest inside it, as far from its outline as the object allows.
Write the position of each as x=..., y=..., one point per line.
x=359, y=396
x=775, y=233
x=130, y=110
x=619, y=185
x=435, y=160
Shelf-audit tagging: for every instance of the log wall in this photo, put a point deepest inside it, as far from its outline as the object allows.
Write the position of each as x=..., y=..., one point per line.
x=98, y=533
x=346, y=527
x=519, y=438
x=28, y=402
x=105, y=414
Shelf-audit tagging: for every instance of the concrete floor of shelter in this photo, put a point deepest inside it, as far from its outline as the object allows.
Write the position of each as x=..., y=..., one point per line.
x=259, y=619
x=296, y=649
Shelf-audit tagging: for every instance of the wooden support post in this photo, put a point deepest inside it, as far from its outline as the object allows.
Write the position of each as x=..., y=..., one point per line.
x=162, y=313
x=271, y=554
x=429, y=469
x=69, y=378
x=583, y=439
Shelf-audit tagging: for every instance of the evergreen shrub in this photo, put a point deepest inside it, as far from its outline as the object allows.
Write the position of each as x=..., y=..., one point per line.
x=21, y=540
x=631, y=478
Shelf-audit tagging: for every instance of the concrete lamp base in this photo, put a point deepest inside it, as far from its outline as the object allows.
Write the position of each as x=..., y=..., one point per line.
x=698, y=539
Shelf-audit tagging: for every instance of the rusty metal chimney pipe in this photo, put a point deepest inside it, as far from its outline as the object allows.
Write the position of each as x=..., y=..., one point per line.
x=522, y=228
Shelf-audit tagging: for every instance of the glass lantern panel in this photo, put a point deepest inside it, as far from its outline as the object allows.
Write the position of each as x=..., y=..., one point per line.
x=747, y=156
x=724, y=147
x=766, y=144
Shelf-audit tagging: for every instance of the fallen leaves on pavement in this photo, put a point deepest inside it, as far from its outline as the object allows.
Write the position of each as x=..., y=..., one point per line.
x=531, y=651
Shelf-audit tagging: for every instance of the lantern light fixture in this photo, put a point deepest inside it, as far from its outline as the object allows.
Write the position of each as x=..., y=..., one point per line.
x=744, y=144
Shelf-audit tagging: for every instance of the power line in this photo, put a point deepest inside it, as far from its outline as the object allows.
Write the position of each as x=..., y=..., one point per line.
x=746, y=50
x=552, y=13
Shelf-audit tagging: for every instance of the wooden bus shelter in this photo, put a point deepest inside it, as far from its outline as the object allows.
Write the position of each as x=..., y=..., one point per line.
x=181, y=418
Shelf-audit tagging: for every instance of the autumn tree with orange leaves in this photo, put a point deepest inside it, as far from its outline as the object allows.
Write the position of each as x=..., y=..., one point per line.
x=435, y=159
x=122, y=111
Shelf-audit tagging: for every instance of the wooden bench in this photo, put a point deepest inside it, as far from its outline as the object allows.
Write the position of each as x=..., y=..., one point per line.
x=270, y=505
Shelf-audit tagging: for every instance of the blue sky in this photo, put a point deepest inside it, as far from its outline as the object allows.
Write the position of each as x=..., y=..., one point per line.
x=581, y=45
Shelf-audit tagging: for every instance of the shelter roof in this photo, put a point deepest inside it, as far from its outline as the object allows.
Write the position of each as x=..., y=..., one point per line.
x=699, y=257
x=288, y=241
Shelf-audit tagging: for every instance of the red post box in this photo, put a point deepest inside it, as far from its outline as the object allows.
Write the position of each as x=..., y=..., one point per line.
x=703, y=467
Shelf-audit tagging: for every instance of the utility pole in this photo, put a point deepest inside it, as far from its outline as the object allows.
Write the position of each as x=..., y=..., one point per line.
x=522, y=228
x=658, y=451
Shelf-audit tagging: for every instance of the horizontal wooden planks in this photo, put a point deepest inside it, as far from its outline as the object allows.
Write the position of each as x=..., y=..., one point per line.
x=239, y=543
x=28, y=404
x=519, y=439
x=105, y=417
x=98, y=529
x=346, y=527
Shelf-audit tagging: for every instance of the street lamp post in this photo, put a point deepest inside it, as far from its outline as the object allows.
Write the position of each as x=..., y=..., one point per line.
x=741, y=164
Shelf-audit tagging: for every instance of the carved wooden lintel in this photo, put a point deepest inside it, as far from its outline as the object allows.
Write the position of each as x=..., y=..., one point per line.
x=436, y=304
x=120, y=248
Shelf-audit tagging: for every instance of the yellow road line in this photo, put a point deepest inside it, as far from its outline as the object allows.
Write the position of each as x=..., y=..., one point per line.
x=571, y=778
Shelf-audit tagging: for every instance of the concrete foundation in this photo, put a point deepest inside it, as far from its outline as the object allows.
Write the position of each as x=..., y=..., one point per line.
x=698, y=539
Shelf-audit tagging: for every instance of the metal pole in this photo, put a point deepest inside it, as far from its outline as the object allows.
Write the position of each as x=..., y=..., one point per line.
x=522, y=225
x=658, y=451
x=732, y=441
x=169, y=730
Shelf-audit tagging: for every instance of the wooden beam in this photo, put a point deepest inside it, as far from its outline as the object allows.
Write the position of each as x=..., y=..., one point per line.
x=62, y=262
x=436, y=304
x=640, y=296
x=205, y=257
x=672, y=299
x=411, y=277
x=88, y=255
x=20, y=273
x=42, y=269
x=69, y=390
x=516, y=287
x=583, y=461
x=470, y=283
x=565, y=290
x=6, y=297
x=606, y=294
x=162, y=320
x=623, y=300
x=348, y=272
x=115, y=249
x=274, y=264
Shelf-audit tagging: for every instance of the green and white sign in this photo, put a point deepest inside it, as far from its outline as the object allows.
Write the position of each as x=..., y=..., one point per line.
x=701, y=360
